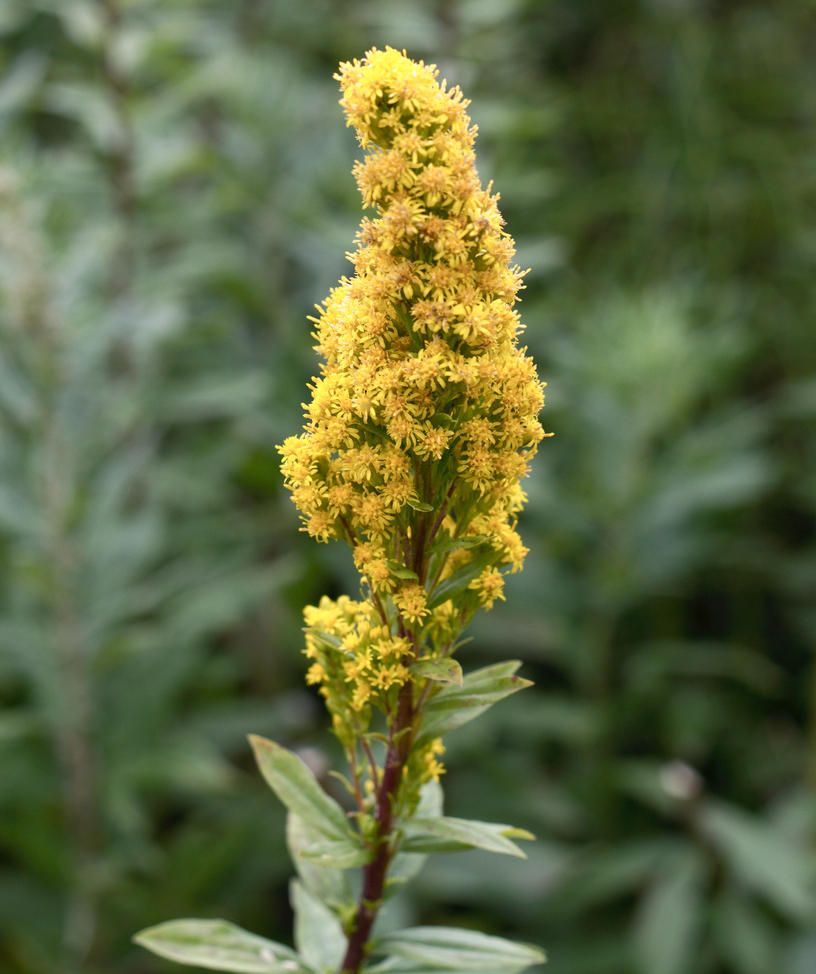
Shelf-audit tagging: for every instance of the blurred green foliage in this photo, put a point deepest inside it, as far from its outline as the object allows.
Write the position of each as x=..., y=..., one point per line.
x=174, y=197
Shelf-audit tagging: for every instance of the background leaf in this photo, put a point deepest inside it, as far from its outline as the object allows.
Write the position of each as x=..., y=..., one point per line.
x=667, y=925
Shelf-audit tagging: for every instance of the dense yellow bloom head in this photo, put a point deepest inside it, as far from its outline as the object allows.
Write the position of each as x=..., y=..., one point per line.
x=425, y=415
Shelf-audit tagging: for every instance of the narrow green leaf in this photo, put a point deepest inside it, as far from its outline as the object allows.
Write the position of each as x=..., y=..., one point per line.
x=431, y=800
x=443, y=420
x=459, y=580
x=600, y=875
x=297, y=788
x=396, y=966
x=342, y=854
x=453, y=834
x=451, y=949
x=483, y=678
x=454, y=544
x=407, y=864
x=318, y=935
x=445, y=670
x=400, y=571
x=802, y=958
x=421, y=506
x=745, y=933
x=327, y=637
x=219, y=946
x=667, y=924
x=454, y=706
x=330, y=885
x=763, y=859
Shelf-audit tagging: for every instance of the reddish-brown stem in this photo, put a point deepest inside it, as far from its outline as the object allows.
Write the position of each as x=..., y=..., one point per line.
x=350, y=535
x=374, y=874
x=443, y=510
x=400, y=739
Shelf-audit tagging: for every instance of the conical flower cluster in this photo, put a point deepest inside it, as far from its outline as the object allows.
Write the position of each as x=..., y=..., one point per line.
x=425, y=416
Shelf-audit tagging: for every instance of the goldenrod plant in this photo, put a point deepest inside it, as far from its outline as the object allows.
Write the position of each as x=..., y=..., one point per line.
x=417, y=435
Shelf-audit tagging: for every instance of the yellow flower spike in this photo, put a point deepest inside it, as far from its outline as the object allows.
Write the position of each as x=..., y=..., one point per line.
x=424, y=417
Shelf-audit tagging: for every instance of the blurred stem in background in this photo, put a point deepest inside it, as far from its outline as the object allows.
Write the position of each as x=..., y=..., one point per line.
x=121, y=150
x=74, y=727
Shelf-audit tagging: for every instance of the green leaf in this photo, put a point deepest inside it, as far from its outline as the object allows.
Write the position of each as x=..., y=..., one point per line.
x=454, y=706
x=443, y=420
x=330, y=885
x=745, y=933
x=458, y=581
x=802, y=957
x=299, y=791
x=407, y=864
x=395, y=965
x=318, y=935
x=421, y=506
x=219, y=946
x=21, y=79
x=444, y=670
x=406, y=967
x=668, y=921
x=453, y=544
x=400, y=571
x=337, y=855
x=600, y=875
x=450, y=949
x=453, y=834
x=327, y=637
x=765, y=860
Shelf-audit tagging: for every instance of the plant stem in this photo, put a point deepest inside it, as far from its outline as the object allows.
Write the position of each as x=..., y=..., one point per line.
x=401, y=736
x=74, y=735
x=375, y=873
x=121, y=153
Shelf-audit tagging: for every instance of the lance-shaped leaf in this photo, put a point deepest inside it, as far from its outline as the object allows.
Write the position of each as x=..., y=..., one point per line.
x=330, y=885
x=299, y=791
x=450, y=949
x=219, y=946
x=443, y=544
x=443, y=670
x=764, y=860
x=406, y=865
x=422, y=506
x=454, y=706
x=395, y=965
x=453, y=834
x=456, y=583
x=318, y=935
x=402, y=571
x=341, y=854
x=667, y=925
x=406, y=967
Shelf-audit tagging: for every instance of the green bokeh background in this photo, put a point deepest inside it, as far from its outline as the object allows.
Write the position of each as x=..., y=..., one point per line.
x=174, y=197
